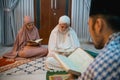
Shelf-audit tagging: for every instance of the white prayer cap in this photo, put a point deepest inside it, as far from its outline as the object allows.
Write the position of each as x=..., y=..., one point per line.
x=64, y=19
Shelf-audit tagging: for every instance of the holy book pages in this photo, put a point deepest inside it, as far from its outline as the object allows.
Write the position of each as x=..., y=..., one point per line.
x=76, y=63
x=36, y=41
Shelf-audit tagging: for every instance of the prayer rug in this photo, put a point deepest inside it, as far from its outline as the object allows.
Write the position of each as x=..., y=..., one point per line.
x=93, y=54
x=56, y=75
x=6, y=64
x=32, y=69
x=4, y=61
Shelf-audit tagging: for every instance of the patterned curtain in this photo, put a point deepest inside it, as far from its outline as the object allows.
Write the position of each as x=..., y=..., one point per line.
x=80, y=15
x=8, y=21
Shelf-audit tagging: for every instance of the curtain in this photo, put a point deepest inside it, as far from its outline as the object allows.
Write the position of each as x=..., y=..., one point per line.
x=79, y=18
x=25, y=7
x=19, y=9
x=0, y=21
x=8, y=21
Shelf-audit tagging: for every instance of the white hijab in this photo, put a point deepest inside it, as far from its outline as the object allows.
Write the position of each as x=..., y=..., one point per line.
x=58, y=40
x=63, y=41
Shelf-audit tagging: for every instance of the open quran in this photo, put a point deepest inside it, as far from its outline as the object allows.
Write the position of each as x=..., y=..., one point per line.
x=76, y=63
x=35, y=41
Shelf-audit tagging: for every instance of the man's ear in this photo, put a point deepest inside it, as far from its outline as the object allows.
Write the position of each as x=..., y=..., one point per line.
x=99, y=25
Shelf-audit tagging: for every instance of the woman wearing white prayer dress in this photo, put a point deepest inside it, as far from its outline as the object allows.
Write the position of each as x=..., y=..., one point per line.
x=63, y=40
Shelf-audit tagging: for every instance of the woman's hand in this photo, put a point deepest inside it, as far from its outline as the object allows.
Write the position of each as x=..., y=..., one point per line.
x=32, y=44
x=72, y=77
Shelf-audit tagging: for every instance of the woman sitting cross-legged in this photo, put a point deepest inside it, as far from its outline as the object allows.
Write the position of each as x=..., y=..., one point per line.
x=22, y=47
x=63, y=40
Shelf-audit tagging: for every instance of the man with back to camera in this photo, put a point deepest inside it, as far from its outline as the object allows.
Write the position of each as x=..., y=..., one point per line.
x=104, y=28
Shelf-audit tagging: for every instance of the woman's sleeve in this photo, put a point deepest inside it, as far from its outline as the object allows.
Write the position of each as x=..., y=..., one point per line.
x=37, y=34
x=74, y=39
x=52, y=41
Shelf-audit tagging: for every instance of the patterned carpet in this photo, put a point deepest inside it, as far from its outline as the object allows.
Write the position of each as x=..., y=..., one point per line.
x=5, y=61
x=30, y=70
x=6, y=64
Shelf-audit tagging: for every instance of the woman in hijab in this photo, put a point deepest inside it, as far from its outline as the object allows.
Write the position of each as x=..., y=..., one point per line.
x=63, y=40
x=22, y=47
